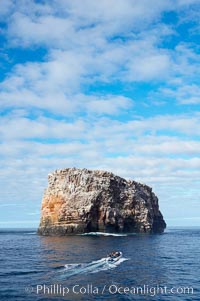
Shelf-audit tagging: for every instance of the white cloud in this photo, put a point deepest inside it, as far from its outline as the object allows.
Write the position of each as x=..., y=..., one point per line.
x=179, y=124
x=58, y=20
x=95, y=127
x=86, y=42
x=110, y=106
x=54, y=118
x=187, y=2
x=5, y=8
x=150, y=67
x=186, y=94
x=46, y=30
x=86, y=46
x=41, y=128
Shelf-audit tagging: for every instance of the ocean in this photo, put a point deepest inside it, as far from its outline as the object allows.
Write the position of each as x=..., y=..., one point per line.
x=152, y=267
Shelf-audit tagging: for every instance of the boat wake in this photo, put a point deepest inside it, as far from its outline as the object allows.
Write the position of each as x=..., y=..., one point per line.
x=93, y=267
x=102, y=234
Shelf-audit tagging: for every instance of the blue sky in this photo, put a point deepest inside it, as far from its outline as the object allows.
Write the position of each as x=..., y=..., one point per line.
x=110, y=84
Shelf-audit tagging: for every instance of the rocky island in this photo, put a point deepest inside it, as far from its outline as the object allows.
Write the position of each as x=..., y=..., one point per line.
x=82, y=200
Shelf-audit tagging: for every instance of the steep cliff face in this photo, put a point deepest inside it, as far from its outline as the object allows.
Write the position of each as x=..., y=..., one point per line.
x=81, y=200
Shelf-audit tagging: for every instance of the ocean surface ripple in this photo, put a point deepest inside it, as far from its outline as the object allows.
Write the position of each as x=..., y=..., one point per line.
x=159, y=267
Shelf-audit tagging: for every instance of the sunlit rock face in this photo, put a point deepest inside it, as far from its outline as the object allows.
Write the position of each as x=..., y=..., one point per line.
x=82, y=200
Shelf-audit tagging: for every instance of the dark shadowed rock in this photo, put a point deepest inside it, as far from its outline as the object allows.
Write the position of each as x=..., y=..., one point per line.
x=81, y=200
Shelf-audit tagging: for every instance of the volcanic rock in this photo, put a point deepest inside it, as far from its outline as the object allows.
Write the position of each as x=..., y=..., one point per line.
x=82, y=200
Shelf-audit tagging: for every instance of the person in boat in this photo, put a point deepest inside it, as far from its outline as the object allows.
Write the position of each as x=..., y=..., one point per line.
x=114, y=254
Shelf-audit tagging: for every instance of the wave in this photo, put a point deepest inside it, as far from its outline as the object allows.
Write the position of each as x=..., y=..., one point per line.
x=20, y=273
x=102, y=234
x=92, y=267
x=18, y=232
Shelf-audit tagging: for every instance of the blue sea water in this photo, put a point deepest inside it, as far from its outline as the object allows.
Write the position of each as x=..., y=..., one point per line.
x=153, y=267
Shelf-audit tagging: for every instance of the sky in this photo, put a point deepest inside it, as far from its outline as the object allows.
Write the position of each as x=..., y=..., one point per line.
x=111, y=85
